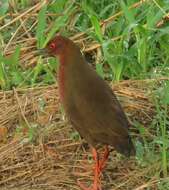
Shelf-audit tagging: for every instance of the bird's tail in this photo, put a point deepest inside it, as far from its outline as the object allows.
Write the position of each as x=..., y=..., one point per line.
x=126, y=147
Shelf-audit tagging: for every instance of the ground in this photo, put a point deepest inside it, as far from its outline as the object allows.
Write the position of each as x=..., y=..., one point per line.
x=41, y=150
x=127, y=43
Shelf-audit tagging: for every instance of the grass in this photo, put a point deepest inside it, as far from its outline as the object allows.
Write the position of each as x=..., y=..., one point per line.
x=125, y=40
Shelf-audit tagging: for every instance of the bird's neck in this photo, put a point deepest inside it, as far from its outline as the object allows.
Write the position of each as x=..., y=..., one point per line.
x=67, y=67
x=61, y=77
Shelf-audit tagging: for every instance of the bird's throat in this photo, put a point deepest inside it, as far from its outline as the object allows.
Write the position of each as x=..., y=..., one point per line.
x=61, y=78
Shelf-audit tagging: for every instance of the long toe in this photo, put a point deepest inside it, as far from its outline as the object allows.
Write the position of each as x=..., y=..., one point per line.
x=97, y=187
x=103, y=161
x=93, y=187
x=82, y=186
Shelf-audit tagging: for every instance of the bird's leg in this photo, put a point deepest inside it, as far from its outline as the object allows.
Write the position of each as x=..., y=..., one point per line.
x=99, y=166
x=102, y=163
x=96, y=184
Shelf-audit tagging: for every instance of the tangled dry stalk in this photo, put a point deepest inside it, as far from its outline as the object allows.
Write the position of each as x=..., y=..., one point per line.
x=55, y=160
x=38, y=148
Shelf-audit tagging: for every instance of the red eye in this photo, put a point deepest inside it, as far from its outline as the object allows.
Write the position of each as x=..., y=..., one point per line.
x=52, y=45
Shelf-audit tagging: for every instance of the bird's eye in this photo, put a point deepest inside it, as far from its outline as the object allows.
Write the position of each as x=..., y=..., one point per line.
x=52, y=46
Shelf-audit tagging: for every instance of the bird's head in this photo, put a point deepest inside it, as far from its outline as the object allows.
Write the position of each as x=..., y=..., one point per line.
x=63, y=48
x=58, y=46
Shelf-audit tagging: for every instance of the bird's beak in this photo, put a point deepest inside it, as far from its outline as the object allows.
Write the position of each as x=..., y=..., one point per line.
x=43, y=52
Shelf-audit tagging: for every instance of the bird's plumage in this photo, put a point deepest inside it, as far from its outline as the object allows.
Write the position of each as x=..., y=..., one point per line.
x=89, y=102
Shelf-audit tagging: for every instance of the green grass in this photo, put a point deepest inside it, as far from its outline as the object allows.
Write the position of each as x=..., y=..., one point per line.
x=162, y=121
x=141, y=52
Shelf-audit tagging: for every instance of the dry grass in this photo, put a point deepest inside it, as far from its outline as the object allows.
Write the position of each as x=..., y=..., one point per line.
x=53, y=160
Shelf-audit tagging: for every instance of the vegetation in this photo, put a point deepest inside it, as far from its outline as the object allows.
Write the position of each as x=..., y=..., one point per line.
x=124, y=40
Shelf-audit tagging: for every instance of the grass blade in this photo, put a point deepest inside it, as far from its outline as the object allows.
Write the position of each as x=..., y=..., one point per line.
x=2, y=75
x=97, y=28
x=4, y=7
x=59, y=23
x=41, y=27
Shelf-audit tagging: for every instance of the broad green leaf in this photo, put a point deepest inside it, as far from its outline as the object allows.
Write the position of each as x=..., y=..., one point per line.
x=2, y=75
x=49, y=77
x=87, y=8
x=97, y=28
x=15, y=58
x=165, y=94
x=59, y=23
x=41, y=27
x=153, y=16
x=94, y=19
x=4, y=5
x=128, y=13
x=36, y=71
x=99, y=69
x=113, y=55
x=57, y=6
x=53, y=63
x=139, y=150
x=16, y=77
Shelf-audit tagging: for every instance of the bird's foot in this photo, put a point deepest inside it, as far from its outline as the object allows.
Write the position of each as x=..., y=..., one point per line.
x=93, y=187
x=96, y=185
x=100, y=163
x=85, y=169
x=99, y=166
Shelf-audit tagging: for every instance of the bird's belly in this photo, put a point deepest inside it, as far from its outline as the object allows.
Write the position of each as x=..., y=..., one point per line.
x=81, y=124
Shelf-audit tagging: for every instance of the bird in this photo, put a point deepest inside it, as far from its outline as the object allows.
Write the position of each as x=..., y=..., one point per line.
x=90, y=105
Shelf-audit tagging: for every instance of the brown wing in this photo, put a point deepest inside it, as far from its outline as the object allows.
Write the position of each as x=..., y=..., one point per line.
x=96, y=113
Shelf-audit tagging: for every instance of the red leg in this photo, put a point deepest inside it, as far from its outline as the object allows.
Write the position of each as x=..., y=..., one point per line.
x=99, y=166
x=102, y=163
x=96, y=184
